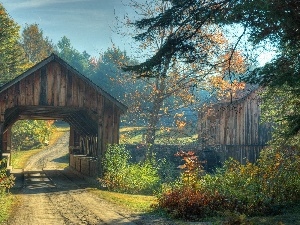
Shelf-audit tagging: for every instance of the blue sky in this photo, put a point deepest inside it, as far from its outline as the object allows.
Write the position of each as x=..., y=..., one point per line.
x=87, y=23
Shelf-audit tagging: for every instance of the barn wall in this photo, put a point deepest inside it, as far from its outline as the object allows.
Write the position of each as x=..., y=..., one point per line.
x=234, y=129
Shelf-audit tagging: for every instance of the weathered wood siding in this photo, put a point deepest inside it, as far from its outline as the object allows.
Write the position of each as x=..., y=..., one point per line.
x=234, y=129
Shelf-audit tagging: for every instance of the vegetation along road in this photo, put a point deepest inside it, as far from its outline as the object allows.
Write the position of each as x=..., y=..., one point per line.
x=51, y=195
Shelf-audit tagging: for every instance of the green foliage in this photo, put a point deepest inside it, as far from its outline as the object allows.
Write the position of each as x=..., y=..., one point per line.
x=167, y=171
x=262, y=188
x=281, y=107
x=6, y=200
x=6, y=181
x=80, y=61
x=192, y=168
x=11, y=53
x=109, y=76
x=31, y=133
x=36, y=46
x=122, y=176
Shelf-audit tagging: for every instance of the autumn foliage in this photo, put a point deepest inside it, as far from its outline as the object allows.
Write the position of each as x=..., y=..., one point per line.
x=262, y=188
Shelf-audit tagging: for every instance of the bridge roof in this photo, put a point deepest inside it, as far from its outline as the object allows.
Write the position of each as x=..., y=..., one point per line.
x=54, y=57
x=83, y=119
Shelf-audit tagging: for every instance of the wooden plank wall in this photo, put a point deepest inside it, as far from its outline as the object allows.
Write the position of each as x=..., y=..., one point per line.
x=234, y=129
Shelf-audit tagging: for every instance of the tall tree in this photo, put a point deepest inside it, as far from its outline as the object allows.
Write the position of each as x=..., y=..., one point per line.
x=35, y=44
x=12, y=61
x=108, y=73
x=275, y=22
x=166, y=71
x=190, y=41
x=80, y=61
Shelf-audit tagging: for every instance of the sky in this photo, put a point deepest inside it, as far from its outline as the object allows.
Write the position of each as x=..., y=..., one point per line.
x=87, y=23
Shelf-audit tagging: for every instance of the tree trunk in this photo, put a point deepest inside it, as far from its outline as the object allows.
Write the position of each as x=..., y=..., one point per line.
x=152, y=124
x=154, y=113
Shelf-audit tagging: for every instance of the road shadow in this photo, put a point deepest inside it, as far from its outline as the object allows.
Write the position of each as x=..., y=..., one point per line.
x=46, y=180
x=62, y=159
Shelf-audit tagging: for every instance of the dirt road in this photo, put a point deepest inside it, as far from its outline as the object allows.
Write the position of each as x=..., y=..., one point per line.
x=52, y=196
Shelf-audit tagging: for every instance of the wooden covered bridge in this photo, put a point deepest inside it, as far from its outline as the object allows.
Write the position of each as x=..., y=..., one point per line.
x=53, y=90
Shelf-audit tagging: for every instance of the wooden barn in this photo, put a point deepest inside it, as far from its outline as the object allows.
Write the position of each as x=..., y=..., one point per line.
x=53, y=90
x=234, y=129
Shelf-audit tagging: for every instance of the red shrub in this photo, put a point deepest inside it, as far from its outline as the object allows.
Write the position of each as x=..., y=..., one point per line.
x=190, y=204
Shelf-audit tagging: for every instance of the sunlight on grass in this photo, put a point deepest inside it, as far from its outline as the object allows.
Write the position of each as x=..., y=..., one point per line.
x=6, y=205
x=165, y=135
x=19, y=158
x=136, y=203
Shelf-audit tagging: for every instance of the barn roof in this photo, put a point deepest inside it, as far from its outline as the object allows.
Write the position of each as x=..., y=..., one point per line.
x=55, y=58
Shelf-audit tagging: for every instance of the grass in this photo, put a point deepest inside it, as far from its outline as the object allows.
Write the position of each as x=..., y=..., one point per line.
x=19, y=158
x=290, y=216
x=135, y=203
x=6, y=202
x=164, y=135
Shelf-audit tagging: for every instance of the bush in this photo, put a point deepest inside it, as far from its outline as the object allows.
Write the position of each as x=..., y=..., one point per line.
x=6, y=181
x=190, y=203
x=31, y=133
x=251, y=189
x=122, y=176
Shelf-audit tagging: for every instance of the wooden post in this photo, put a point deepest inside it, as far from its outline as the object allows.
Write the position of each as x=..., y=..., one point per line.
x=100, y=152
x=71, y=138
x=1, y=140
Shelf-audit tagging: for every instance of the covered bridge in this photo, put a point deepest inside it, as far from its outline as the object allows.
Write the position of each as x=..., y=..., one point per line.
x=233, y=129
x=52, y=89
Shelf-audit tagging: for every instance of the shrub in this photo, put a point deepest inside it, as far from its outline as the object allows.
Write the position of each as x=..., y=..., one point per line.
x=122, y=176
x=6, y=181
x=192, y=168
x=190, y=203
x=141, y=178
x=251, y=189
x=31, y=133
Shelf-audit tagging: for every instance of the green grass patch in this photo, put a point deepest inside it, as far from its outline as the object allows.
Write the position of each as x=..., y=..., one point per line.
x=19, y=158
x=6, y=204
x=165, y=135
x=135, y=203
x=290, y=216
x=132, y=135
